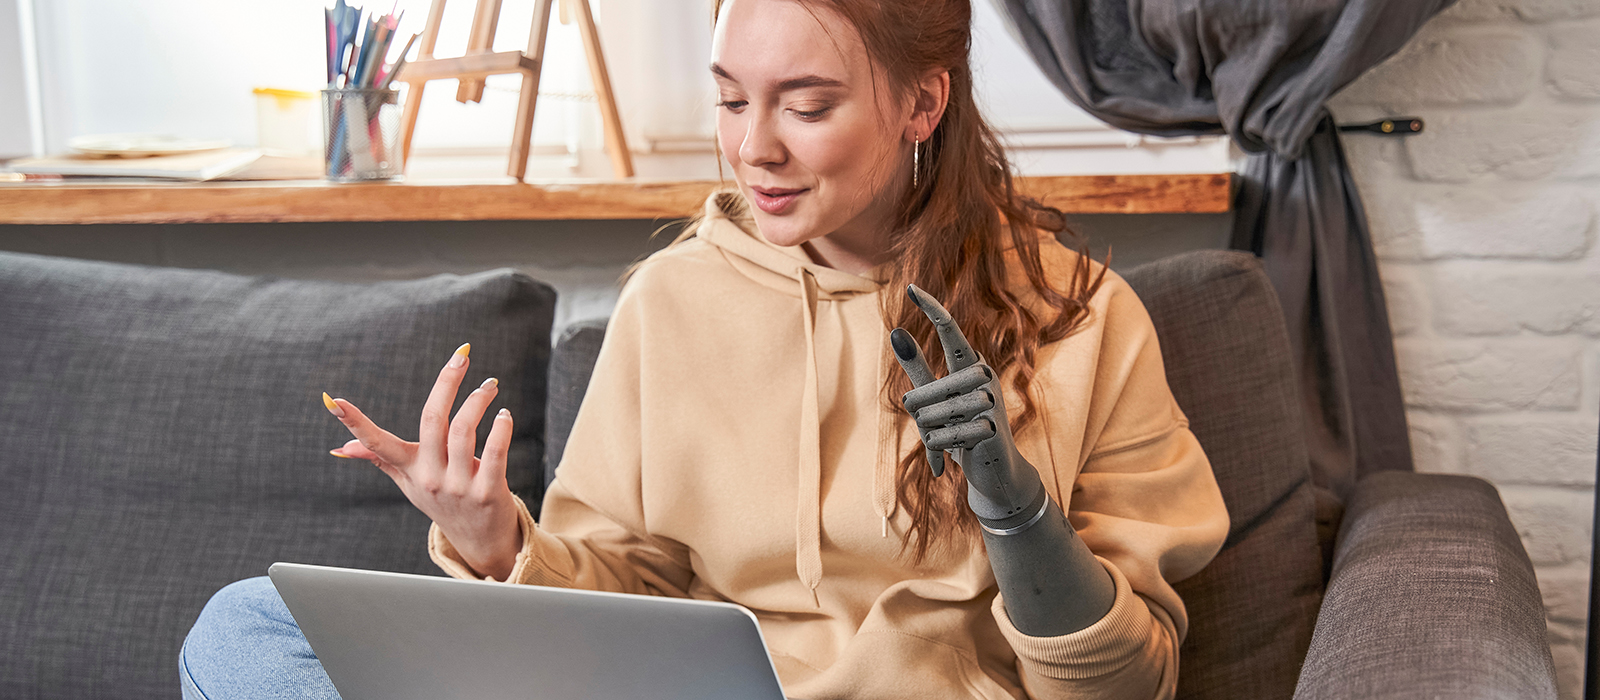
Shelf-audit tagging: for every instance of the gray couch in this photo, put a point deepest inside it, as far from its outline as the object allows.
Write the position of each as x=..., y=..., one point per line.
x=161, y=435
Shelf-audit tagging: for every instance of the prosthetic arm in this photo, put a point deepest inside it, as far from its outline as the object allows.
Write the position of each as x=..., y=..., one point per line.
x=1050, y=581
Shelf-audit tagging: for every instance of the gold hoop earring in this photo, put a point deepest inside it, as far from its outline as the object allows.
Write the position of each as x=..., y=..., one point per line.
x=916, y=160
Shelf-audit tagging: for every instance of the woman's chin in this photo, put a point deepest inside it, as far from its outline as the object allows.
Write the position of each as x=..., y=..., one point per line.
x=783, y=231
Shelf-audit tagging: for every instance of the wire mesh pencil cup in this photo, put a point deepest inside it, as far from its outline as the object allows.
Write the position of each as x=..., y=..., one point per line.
x=361, y=134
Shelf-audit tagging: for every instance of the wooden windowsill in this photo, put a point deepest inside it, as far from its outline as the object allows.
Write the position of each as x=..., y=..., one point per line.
x=443, y=200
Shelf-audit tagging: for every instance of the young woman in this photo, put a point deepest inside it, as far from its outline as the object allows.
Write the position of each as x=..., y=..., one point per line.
x=754, y=433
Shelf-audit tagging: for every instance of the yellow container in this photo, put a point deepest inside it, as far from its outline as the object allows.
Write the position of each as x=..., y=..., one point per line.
x=287, y=122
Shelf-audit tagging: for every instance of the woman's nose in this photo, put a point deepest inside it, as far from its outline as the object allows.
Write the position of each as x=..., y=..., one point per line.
x=761, y=145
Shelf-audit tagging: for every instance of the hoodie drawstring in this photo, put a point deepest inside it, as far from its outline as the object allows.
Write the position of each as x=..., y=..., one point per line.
x=808, y=506
x=808, y=520
x=888, y=444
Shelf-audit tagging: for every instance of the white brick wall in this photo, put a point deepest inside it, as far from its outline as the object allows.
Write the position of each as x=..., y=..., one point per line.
x=1485, y=228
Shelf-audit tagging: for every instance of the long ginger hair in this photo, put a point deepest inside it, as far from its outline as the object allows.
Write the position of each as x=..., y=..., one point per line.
x=952, y=230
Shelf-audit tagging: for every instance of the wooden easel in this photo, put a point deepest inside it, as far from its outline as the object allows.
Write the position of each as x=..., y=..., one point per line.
x=480, y=62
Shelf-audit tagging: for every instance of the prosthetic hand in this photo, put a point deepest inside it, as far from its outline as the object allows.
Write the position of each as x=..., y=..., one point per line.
x=1050, y=581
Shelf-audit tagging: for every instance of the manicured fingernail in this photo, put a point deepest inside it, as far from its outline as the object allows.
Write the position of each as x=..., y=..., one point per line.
x=460, y=358
x=332, y=407
x=337, y=453
x=504, y=413
x=489, y=383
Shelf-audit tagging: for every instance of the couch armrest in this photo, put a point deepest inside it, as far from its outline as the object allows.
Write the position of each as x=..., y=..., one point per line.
x=1432, y=595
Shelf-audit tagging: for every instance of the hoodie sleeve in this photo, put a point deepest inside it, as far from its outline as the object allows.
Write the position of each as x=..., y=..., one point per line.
x=594, y=533
x=1140, y=492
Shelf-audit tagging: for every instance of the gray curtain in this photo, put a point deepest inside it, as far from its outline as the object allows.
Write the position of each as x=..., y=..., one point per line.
x=1261, y=71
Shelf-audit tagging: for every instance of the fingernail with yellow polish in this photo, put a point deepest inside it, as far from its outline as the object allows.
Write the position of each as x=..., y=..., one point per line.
x=337, y=453
x=490, y=382
x=332, y=407
x=460, y=358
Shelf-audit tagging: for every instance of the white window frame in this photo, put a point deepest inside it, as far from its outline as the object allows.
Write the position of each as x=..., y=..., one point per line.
x=21, y=123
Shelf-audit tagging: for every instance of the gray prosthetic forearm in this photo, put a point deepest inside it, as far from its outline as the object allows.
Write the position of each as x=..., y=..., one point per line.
x=1051, y=583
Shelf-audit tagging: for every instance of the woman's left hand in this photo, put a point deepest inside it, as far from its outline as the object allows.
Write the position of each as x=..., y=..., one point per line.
x=1051, y=582
x=964, y=412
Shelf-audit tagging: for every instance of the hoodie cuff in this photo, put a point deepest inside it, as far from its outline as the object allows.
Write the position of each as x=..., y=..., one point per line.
x=1125, y=636
x=529, y=567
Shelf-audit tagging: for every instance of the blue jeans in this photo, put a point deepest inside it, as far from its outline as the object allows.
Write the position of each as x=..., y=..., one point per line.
x=246, y=646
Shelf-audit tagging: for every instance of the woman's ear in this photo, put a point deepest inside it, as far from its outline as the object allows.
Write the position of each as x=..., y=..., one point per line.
x=928, y=103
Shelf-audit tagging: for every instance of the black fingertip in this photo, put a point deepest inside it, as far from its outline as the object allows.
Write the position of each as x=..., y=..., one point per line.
x=987, y=374
x=905, y=347
x=936, y=461
x=916, y=295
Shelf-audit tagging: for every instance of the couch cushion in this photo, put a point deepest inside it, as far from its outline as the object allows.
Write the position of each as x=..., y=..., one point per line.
x=161, y=434
x=1252, y=610
x=571, y=365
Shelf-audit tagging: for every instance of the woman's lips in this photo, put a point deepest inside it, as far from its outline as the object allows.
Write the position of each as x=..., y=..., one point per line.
x=775, y=201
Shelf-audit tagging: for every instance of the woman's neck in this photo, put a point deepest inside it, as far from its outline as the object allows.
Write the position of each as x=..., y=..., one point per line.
x=856, y=260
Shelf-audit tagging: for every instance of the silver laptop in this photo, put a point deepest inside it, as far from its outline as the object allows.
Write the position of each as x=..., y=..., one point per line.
x=388, y=636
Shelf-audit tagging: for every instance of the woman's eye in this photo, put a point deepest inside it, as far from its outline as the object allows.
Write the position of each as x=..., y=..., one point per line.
x=811, y=115
x=732, y=105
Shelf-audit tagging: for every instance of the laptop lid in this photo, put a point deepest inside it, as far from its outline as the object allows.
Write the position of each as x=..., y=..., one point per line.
x=390, y=636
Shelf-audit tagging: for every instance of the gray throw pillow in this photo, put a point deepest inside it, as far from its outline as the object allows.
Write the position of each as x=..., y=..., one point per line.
x=161, y=435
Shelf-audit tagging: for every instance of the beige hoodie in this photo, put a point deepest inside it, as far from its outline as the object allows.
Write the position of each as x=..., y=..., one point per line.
x=731, y=447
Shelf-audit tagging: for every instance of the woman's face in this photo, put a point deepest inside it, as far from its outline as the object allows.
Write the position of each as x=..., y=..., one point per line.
x=814, y=144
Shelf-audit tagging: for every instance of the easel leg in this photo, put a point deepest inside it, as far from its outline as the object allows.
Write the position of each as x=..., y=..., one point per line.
x=616, y=141
x=522, y=136
x=528, y=97
x=484, y=20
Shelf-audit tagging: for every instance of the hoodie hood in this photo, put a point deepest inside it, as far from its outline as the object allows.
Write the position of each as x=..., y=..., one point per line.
x=779, y=267
x=790, y=270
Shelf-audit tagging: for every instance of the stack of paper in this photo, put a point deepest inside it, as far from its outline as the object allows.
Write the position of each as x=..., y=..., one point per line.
x=204, y=165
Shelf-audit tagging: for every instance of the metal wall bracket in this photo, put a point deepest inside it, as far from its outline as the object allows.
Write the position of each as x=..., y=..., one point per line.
x=1393, y=126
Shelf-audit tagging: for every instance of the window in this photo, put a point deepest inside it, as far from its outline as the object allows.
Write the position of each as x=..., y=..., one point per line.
x=187, y=67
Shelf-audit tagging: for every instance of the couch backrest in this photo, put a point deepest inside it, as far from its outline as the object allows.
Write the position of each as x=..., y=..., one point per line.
x=571, y=365
x=1252, y=610
x=161, y=435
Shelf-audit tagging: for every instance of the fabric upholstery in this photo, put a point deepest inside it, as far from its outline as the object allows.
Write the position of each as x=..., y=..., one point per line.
x=1432, y=595
x=571, y=364
x=1251, y=611
x=161, y=435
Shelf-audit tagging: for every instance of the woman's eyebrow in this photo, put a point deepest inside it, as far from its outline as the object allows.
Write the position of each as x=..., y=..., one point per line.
x=804, y=81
